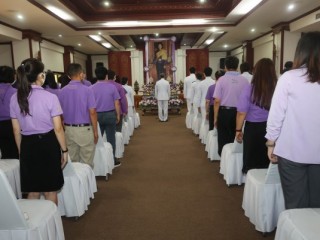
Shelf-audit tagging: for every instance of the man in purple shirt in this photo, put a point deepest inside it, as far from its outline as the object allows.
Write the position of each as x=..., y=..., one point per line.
x=80, y=117
x=123, y=98
x=8, y=145
x=108, y=107
x=226, y=95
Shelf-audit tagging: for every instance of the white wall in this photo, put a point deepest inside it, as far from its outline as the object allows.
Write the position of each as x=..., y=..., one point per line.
x=214, y=60
x=238, y=52
x=81, y=59
x=137, y=72
x=21, y=51
x=5, y=55
x=35, y=48
x=180, y=64
x=290, y=43
x=52, y=56
x=263, y=48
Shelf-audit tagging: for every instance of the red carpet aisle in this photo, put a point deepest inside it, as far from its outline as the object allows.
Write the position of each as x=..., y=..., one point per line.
x=166, y=189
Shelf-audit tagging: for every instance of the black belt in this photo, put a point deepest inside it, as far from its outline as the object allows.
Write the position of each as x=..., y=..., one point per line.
x=78, y=125
x=227, y=108
x=113, y=110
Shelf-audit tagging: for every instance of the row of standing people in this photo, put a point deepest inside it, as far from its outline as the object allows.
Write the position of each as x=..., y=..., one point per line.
x=41, y=128
x=276, y=120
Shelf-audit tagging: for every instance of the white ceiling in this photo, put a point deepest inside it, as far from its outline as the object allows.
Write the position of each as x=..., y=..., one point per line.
x=263, y=18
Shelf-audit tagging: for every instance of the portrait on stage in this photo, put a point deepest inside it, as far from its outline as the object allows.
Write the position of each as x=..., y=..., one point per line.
x=160, y=59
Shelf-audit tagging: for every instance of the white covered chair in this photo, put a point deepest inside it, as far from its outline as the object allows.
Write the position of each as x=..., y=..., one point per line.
x=11, y=168
x=125, y=133
x=196, y=121
x=103, y=161
x=299, y=224
x=136, y=118
x=204, y=129
x=263, y=198
x=130, y=126
x=119, y=145
x=79, y=186
x=232, y=162
x=27, y=219
x=212, y=145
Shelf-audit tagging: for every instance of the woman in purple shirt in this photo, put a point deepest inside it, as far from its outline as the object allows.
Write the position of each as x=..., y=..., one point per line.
x=8, y=146
x=38, y=133
x=253, y=106
x=293, y=126
x=50, y=83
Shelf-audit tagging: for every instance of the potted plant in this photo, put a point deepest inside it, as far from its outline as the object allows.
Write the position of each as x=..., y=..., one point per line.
x=136, y=87
x=181, y=86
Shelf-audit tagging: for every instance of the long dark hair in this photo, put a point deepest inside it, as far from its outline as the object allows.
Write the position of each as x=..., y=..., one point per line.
x=263, y=82
x=308, y=54
x=50, y=80
x=27, y=73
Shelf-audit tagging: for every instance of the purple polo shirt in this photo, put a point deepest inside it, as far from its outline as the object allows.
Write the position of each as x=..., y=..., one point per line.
x=53, y=91
x=210, y=93
x=105, y=95
x=76, y=99
x=122, y=93
x=294, y=118
x=229, y=87
x=43, y=107
x=254, y=112
x=6, y=92
x=86, y=82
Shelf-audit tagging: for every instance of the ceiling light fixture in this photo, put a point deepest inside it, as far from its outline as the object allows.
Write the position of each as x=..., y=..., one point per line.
x=79, y=44
x=122, y=24
x=157, y=34
x=188, y=21
x=209, y=41
x=214, y=29
x=106, y=3
x=106, y=44
x=99, y=33
x=225, y=46
x=60, y=35
x=19, y=16
x=202, y=1
x=245, y=6
x=96, y=37
x=291, y=7
x=59, y=13
x=253, y=30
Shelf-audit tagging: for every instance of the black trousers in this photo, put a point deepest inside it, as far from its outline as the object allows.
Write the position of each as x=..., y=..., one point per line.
x=300, y=184
x=254, y=148
x=226, y=127
x=119, y=124
x=8, y=145
x=211, y=117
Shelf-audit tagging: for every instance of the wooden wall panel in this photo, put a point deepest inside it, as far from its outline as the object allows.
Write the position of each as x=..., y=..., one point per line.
x=198, y=58
x=120, y=62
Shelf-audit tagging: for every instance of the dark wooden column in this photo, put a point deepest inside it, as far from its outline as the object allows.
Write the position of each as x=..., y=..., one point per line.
x=32, y=35
x=248, y=53
x=280, y=28
x=66, y=56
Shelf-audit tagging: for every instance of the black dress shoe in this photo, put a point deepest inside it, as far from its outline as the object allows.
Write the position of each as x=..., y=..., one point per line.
x=117, y=164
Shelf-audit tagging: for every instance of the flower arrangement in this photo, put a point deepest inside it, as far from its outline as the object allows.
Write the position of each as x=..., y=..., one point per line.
x=148, y=103
x=175, y=102
x=148, y=89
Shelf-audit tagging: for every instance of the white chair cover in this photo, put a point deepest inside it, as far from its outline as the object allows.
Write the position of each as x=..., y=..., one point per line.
x=11, y=168
x=196, y=123
x=204, y=129
x=232, y=162
x=79, y=186
x=212, y=145
x=136, y=119
x=125, y=133
x=103, y=162
x=299, y=224
x=27, y=219
x=119, y=145
x=263, y=202
x=130, y=126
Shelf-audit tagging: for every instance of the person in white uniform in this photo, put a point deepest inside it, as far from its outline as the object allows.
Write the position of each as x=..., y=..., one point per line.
x=187, y=87
x=129, y=96
x=162, y=94
x=245, y=70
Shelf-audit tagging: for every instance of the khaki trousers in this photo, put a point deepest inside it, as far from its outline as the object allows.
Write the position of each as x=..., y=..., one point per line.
x=80, y=143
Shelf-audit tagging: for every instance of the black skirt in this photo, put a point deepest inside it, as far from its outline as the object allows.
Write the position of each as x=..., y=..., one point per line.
x=254, y=148
x=40, y=163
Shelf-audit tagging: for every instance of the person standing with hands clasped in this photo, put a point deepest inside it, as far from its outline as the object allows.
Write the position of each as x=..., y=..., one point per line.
x=253, y=106
x=293, y=126
x=38, y=132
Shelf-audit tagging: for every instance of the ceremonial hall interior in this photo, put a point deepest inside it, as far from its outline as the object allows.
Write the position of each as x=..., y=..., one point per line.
x=171, y=184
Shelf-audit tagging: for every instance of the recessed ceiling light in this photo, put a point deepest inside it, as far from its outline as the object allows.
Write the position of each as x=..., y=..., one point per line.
x=253, y=30
x=157, y=34
x=291, y=7
x=19, y=16
x=99, y=33
x=225, y=46
x=106, y=3
x=79, y=44
x=96, y=37
x=59, y=13
x=209, y=41
x=131, y=46
x=202, y=1
x=60, y=35
x=107, y=45
x=214, y=29
x=188, y=21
